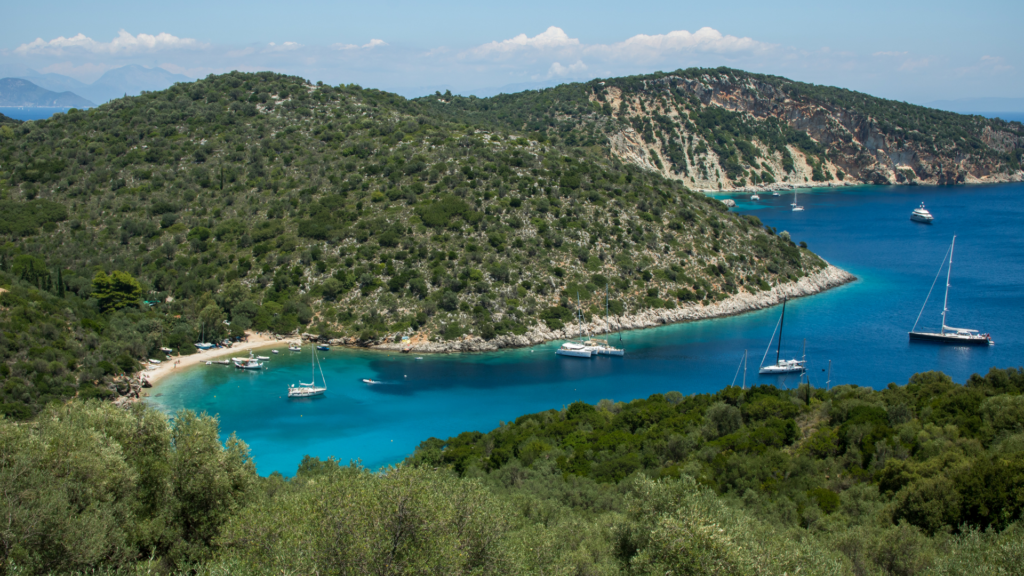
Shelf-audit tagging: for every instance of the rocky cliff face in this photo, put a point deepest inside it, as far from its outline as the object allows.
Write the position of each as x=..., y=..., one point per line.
x=848, y=145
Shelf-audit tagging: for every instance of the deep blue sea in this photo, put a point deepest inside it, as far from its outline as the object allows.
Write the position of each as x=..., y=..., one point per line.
x=861, y=327
x=30, y=112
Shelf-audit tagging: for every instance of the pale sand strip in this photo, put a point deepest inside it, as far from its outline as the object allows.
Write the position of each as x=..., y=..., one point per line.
x=177, y=364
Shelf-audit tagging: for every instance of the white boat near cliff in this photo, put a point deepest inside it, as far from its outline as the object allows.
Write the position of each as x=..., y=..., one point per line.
x=574, y=350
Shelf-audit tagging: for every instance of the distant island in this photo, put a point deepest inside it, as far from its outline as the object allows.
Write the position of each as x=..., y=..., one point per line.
x=18, y=92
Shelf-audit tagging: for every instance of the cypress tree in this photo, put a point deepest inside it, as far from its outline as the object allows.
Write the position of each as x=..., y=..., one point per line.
x=60, y=283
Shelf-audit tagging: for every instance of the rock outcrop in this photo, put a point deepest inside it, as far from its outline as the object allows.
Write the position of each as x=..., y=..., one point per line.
x=858, y=148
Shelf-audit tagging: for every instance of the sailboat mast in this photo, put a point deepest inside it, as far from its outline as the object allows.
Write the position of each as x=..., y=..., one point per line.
x=312, y=363
x=744, y=369
x=781, y=322
x=579, y=314
x=945, y=301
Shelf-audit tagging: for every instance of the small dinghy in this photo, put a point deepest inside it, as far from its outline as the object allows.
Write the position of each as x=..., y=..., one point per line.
x=371, y=381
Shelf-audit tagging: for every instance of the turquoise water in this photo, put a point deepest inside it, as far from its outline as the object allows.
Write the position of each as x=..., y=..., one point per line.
x=862, y=327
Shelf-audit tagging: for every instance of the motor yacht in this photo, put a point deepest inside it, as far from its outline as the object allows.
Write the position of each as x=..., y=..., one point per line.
x=922, y=215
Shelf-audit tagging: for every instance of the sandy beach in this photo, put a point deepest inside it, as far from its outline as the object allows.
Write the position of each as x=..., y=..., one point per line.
x=256, y=341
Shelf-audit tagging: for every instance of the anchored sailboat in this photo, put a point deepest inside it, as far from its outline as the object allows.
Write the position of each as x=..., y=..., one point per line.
x=947, y=335
x=303, y=390
x=782, y=366
x=600, y=346
x=576, y=349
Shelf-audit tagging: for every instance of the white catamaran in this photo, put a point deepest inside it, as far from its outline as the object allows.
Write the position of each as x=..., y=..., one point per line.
x=303, y=390
x=947, y=335
x=781, y=366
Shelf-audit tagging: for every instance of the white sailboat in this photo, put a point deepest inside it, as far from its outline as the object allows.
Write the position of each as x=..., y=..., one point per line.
x=602, y=347
x=796, y=206
x=782, y=366
x=303, y=390
x=575, y=349
x=946, y=334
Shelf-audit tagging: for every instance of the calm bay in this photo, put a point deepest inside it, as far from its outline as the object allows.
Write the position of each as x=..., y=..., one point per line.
x=861, y=327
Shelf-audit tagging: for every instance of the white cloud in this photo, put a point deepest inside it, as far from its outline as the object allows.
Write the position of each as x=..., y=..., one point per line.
x=375, y=42
x=557, y=69
x=643, y=46
x=283, y=47
x=125, y=43
x=552, y=38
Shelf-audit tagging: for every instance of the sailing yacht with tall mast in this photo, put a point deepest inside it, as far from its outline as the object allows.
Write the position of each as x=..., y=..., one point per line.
x=782, y=366
x=303, y=390
x=601, y=347
x=796, y=206
x=576, y=349
x=946, y=334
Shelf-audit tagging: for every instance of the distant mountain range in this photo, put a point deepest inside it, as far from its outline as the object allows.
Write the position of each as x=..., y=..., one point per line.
x=19, y=92
x=128, y=80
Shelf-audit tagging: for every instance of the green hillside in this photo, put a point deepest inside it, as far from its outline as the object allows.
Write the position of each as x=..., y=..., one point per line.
x=271, y=204
x=920, y=479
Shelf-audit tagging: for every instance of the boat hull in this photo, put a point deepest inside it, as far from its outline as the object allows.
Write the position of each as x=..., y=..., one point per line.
x=776, y=370
x=978, y=340
x=297, y=392
x=573, y=353
x=921, y=219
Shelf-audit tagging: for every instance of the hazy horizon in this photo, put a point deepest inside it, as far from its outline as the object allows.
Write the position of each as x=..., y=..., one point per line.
x=947, y=54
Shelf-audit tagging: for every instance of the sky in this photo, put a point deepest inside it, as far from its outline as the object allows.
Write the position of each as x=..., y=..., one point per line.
x=913, y=51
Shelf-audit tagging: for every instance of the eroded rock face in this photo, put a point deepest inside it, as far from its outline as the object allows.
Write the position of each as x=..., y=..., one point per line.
x=855, y=142
x=829, y=277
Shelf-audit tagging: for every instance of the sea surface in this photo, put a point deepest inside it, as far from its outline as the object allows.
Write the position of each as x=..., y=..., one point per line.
x=31, y=112
x=861, y=328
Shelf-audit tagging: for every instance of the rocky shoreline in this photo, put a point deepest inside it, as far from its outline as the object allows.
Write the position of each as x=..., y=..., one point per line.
x=789, y=186
x=830, y=277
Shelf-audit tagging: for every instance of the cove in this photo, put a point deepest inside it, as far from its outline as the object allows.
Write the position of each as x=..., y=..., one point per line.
x=861, y=327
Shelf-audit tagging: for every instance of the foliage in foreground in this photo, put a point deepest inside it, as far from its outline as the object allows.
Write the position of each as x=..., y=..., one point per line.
x=91, y=488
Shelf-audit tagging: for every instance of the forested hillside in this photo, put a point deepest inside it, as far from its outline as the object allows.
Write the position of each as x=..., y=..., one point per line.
x=258, y=201
x=724, y=129
x=926, y=478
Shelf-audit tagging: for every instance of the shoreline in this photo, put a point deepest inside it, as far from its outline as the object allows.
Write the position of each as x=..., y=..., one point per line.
x=816, y=283
x=820, y=281
x=257, y=341
x=1012, y=178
